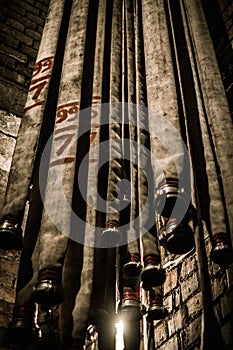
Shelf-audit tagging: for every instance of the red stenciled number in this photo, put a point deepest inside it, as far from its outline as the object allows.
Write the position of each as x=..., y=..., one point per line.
x=68, y=139
x=38, y=88
x=42, y=66
x=64, y=111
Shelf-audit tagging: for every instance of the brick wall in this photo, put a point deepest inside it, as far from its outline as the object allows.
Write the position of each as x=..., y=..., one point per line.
x=21, y=25
x=182, y=297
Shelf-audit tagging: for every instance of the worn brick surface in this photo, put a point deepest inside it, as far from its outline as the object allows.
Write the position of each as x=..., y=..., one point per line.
x=161, y=333
x=189, y=286
x=9, y=123
x=171, y=281
x=7, y=148
x=171, y=344
x=177, y=321
x=194, y=304
x=176, y=297
x=21, y=27
x=191, y=333
x=188, y=267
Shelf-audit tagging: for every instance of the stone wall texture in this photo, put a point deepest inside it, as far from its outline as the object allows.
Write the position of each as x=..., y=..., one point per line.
x=21, y=25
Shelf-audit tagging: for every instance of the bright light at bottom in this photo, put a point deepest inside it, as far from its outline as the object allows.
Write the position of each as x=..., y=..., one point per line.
x=119, y=335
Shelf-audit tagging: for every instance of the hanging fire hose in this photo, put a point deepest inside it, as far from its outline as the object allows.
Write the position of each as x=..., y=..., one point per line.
x=133, y=266
x=130, y=307
x=42, y=81
x=99, y=311
x=51, y=243
x=56, y=224
x=171, y=180
x=210, y=333
x=216, y=128
x=22, y=329
x=214, y=98
x=112, y=235
x=219, y=225
x=153, y=276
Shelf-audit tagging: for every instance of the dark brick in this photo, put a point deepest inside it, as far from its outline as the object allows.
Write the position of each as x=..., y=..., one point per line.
x=36, y=45
x=31, y=64
x=13, y=76
x=18, y=56
x=41, y=6
x=35, y=19
x=7, y=61
x=25, y=39
x=12, y=96
x=17, y=9
x=8, y=74
x=25, y=71
x=22, y=19
x=31, y=2
x=15, y=24
x=33, y=34
x=18, y=35
x=11, y=42
x=28, y=7
x=40, y=29
x=46, y=2
x=29, y=51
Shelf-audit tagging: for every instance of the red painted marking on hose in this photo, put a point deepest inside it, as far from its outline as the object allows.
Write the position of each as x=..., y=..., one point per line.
x=34, y=105
x=67, y=140
x=38, y=89
x=64, y=111
x=43, y=65
x=62, y=161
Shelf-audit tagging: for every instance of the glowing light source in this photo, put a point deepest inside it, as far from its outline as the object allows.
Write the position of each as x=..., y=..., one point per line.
x=120, y=335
